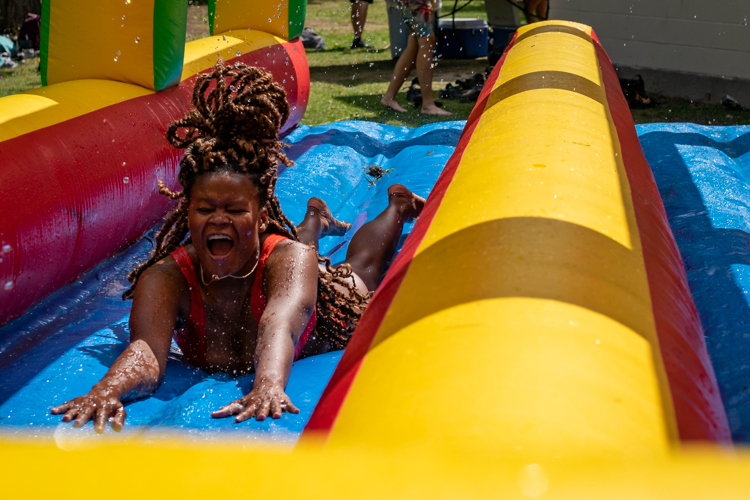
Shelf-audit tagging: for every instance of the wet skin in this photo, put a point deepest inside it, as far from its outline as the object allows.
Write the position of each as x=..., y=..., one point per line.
x=224, y=208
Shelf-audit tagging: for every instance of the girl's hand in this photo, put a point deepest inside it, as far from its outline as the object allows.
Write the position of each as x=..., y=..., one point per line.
x=101, y=404
x=262, y=401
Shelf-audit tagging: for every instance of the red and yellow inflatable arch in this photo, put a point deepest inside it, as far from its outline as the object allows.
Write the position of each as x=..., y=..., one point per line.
x=80, y=157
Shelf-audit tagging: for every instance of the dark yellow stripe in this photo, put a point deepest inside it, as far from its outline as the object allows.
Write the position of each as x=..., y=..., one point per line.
x=554, y=29
x=548, y=80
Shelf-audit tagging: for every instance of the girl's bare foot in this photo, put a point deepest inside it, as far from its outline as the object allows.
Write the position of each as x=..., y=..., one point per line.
x=416, y=203
x=391, y=103
x=432, y=109
x=329, y=226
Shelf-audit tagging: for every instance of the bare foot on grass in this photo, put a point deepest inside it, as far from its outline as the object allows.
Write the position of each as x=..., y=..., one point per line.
x=432, y=109
x=415, y=203
x=329, y=226
x=391, y=103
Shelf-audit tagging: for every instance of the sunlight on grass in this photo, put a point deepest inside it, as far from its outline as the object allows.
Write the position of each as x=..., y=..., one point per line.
x=348, y=84
x=24, y=77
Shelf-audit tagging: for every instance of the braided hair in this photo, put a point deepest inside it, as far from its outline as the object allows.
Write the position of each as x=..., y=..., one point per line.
x=234, y=127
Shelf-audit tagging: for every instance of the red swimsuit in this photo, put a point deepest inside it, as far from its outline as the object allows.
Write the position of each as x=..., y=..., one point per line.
x=192, y=337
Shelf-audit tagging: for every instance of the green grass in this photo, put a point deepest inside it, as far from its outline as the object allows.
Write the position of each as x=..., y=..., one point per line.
x=25, y=77
x=681, y=110
x=348, y=84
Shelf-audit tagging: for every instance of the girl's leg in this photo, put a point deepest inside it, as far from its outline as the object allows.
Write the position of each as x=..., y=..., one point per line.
x=424, y=73
x=374, y=244
x=404, y=65
x=319, y=222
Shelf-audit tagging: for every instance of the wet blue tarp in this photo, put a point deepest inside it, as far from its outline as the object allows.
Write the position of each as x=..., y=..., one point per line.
x=703, y=174
x=65, y=344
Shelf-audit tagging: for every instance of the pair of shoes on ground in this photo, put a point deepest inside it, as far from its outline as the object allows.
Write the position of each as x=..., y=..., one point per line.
x=465, y=90
x=358, y=43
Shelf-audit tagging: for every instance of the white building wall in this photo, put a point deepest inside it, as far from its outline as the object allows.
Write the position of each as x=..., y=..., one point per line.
x=702, y=37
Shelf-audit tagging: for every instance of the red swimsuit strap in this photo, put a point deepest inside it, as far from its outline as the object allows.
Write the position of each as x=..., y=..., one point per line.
x=258, y=299
x=196, y=322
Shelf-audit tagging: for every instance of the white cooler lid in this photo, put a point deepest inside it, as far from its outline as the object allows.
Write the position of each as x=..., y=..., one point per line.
x=462, y=23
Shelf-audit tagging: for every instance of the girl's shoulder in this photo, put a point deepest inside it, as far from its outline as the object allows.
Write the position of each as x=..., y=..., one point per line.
x=288, y=254
x=170, y=273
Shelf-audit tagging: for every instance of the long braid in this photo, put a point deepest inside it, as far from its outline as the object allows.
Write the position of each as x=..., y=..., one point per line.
x=235, y=127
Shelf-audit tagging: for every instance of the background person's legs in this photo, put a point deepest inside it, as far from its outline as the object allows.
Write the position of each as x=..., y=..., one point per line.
x=404, y=65
x=424, y=73
x=359, y=17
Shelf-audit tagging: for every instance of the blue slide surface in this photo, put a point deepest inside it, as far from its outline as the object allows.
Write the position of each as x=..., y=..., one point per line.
x=63, y=345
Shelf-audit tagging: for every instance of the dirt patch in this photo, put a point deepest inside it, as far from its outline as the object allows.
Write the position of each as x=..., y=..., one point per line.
x=197, y=23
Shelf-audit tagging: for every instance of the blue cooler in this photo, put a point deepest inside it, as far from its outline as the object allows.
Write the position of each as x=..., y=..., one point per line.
x=466, y=39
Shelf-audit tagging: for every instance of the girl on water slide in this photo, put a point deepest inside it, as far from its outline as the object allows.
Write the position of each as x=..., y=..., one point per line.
x=231, y=278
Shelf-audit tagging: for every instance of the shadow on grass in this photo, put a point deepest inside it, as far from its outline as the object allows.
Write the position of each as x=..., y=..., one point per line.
x=380, y=70
x=373, y=111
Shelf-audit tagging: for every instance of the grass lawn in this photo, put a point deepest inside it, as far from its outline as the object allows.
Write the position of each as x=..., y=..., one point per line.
x=348, y=84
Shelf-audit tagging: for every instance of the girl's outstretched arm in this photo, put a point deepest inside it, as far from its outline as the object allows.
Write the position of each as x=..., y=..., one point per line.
x=140, y=368
x=291, y=283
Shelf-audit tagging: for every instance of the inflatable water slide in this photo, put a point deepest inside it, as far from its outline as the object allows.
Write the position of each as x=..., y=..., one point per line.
x=80, y=156
x=535, y=336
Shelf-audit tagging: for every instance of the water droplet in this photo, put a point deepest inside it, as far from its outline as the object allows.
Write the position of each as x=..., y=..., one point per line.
x=7, y=248
x=115, y=61
x=269, y=19
x=126, y=179
x=372, y=64
x=224, y=38
x=118, y=52
x=123, y=18
x=9, y=285
x=123, y=164
x=105, y=121
x=239, y=53
x=137, y=39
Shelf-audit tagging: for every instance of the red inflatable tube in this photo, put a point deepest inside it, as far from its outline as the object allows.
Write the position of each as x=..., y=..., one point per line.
x=699, y=412
x=75, y=193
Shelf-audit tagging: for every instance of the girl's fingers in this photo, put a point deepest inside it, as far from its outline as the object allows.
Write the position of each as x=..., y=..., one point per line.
x=245, y=414
x=102, y=414
x=291, y=408
x=262, y=412
x=119, y=419
x=70, y=414
x=276, y=409
x=232, y=408
x=83, y=416
x=60, y=409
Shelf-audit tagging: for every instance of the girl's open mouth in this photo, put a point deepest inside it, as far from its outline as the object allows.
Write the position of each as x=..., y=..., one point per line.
x=219, y=245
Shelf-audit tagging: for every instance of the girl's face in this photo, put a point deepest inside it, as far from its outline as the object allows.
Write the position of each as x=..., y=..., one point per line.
x=225, y=220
